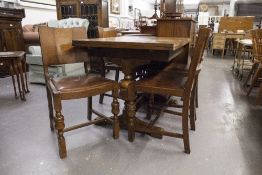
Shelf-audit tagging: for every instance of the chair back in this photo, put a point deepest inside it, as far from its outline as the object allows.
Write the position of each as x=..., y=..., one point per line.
x=257, y=44
x=197, y=55
x=56, y=45
x=106, y=32
x=219, y=41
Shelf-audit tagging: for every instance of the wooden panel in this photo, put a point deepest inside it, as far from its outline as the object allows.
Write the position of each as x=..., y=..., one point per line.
x=236, y=23
x=135, y=42
x=176, y=28
x=170, y=6
x=11, y=36
x=148, y=30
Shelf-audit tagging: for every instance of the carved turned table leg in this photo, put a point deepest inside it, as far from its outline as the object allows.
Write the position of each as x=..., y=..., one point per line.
x=127, y=93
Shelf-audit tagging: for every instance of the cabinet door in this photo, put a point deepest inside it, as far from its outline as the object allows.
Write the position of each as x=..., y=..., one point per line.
x=11, y=37
x=91, y=10
x=67, y=9
x=105, y=18
x=170, y=6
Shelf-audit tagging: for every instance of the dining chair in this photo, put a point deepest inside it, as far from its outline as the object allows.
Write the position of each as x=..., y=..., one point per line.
x=218, y=43
x=56, y=46
x=256, y=71
x=106, y=64
x=170, y=83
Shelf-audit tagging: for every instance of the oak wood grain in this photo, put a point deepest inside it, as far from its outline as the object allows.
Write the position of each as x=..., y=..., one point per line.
x=134, y=42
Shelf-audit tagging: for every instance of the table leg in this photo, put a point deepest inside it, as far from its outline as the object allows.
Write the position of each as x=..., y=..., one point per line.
x=20, y=70
x=127, y=92
x=12, y=72
x=25, y=73
x=15, y=66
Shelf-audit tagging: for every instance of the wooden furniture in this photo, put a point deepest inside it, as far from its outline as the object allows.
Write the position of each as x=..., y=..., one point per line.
x=14, y=63
x=219, y=43
x=11, y=35
x=56, y=45
x=169, y=83
x=236, y=23
x=184, y=27
x=148, y=30
x=131, y=52
x=168, y=9
x=128, y=32
x=241, y=61
x=107, y=65
x=96, y=11
x=256, y=71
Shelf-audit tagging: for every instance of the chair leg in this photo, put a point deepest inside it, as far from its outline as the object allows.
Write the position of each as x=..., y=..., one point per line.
x=223, y=52
x=13, y=79
x=60, y=125
x=254, y=79
x=185, y=125
x=89, y=108
x=254, y=67
x=103, y=74
x=196, y=91
x=50, y=108
x=150, y=106
x=115, y=111
x=101, y=98
x=117, y=76
x=192, y=114
x=259, y=95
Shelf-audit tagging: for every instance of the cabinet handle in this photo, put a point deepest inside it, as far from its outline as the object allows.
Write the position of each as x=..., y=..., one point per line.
x=11, y=25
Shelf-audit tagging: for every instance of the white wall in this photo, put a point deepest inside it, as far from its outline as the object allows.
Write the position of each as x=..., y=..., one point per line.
x=38, y=15
x=124, y=19
x=147, y=9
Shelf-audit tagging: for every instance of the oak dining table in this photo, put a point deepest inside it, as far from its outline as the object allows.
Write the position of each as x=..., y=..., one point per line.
x=129, y=52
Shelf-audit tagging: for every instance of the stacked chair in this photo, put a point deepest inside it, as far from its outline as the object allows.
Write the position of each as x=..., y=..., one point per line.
x=179, y=81
x=255, y=74
x=56, y=46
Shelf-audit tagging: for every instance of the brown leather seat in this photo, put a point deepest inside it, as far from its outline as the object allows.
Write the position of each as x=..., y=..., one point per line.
x=56, y=45
x=169, y=82
x=79, y=83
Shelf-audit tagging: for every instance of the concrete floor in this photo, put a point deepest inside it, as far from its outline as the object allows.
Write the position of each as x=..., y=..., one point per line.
x=227, y=140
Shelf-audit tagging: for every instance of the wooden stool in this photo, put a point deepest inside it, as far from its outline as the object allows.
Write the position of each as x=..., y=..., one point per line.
x=15, y=64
